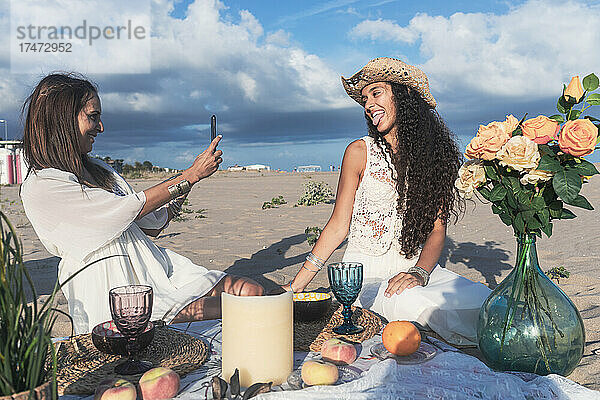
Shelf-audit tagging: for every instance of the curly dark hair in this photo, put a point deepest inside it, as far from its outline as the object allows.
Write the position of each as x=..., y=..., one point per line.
x=425, y=163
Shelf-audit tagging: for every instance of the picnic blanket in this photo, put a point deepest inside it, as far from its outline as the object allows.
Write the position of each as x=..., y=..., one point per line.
x=449, y=375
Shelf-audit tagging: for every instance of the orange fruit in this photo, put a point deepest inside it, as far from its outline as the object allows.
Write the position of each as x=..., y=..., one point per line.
x=401, y=338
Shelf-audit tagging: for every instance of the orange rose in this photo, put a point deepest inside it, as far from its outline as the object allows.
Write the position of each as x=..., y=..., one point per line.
x=578, y=137
x=489, y=140
x=510, y=124
x=575, y=90
x=540, y=129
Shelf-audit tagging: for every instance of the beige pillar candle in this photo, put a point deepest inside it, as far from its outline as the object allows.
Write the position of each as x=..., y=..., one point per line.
x=258, y=337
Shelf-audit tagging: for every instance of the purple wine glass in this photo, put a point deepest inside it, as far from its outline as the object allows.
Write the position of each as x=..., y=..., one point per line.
x=131, y=308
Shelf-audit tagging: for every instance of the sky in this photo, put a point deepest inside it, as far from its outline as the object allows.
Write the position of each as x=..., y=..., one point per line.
x=270, y=70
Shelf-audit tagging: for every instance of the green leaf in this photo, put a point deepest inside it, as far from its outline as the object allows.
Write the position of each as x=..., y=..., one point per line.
x=496, y=209
x=590, y=82
x=594, y=99
x=592, y=118
x=524, y=200
x=574, y=114
x=555, y=209
x=549, y=193
x=485, y=192
x=585, y=168
x=545, y=149
x=547, y=229
x=567, y=214
x=557, y=118
x=538, y=203
x=513, y=184
x=519, y=224
x=549, y=163
x=498, y=193
x=533, y=223
x=491, y=173
x=566, y=184
x=560, y=107
x=510, y=199
x=527, y=215
x=581, y=202
x=543, y=215
x=506, y=218
x=556, y=205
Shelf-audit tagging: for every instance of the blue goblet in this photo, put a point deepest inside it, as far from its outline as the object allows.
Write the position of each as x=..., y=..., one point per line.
x=345, y=279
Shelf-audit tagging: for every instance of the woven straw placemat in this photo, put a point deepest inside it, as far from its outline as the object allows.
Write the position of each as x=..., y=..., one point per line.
x=81, y=367
x=309, y=336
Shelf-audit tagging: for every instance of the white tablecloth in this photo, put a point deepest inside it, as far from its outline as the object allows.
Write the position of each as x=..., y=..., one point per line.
x=449, y=375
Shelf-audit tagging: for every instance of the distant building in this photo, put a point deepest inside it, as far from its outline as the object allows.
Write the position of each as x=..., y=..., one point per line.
x=257, y=167
x=235, y=168
x=13, y=168
x=309, y=168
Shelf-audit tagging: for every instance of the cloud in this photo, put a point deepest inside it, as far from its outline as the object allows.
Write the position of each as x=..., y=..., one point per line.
x=208, y=61
x=383, y=29
x=527, y=51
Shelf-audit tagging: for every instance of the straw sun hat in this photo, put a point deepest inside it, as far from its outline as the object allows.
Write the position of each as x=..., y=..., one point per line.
x=385, y=69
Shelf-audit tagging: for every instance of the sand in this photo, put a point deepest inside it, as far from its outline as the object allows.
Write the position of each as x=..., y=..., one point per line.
x=238, y=237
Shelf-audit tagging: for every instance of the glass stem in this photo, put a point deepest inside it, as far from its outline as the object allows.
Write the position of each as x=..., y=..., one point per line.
x=131, y=348
x=347, y=314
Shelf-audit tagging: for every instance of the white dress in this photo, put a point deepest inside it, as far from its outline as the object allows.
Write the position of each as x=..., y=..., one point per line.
x=81, y=225
x=449, y=304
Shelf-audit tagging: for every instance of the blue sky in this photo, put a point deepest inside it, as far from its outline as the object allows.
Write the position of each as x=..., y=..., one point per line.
x=270, y=71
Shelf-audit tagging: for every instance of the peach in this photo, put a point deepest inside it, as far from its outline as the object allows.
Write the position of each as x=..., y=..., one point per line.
x=159, y=383
x=338, y=351
x=317, y=372
x=115, y=389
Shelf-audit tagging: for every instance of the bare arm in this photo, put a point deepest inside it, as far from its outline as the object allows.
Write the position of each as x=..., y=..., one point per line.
x=204, y=166
x=336, y=230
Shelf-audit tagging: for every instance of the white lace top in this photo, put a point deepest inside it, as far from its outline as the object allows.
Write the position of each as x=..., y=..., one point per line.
x=375, y=225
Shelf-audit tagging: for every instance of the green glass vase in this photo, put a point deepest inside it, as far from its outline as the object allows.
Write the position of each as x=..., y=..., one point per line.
x=528, y=323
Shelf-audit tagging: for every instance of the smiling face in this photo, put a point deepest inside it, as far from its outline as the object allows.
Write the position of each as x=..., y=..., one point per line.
x=380, y=106
x=89, y=124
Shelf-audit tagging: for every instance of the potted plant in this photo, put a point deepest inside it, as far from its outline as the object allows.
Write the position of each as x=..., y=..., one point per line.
x=531, y=171
x=26, y=345
x=27, y=355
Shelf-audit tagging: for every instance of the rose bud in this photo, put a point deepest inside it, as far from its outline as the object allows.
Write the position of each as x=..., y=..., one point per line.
x=574, y=90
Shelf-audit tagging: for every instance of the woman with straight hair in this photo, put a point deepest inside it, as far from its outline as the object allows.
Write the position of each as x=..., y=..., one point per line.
x=395, y=197
x=86, y=213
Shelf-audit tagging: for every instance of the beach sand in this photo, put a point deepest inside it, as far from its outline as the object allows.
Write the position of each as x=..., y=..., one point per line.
x=238, y=237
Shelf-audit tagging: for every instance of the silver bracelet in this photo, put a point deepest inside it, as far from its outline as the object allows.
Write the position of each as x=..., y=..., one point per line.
x=179, y=189
x=420, y=271
x=316, y=261
x=311, y=270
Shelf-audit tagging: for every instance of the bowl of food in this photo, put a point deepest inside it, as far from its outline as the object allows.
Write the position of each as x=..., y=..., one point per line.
x=311, y=306
x=107, y=338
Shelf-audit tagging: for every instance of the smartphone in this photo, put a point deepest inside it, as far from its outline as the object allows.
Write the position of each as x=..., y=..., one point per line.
x=213, y=127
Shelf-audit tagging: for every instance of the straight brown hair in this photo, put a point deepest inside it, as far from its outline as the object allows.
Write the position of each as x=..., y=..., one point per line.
x=50, y=138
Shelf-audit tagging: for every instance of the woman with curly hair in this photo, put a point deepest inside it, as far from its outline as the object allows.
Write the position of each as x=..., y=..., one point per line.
x=394, y=199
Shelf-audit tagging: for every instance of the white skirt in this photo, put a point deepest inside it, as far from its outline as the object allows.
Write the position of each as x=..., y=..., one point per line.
x=176, y=281
x=448, y=305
